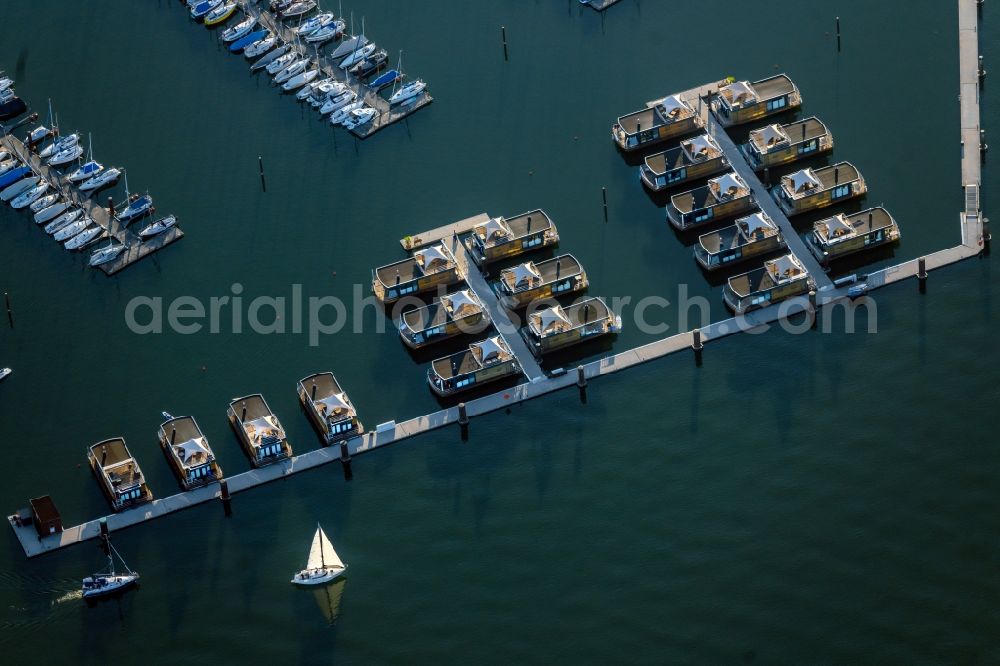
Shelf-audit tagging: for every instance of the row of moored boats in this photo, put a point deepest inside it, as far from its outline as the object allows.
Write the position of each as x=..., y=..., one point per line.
x=340, y=97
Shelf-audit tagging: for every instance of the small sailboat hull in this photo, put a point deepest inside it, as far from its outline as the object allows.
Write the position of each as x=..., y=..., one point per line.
x=102, y=585
x=83, y=238
x=13, y=176
x=243, y=42
x=311, y=577
x=52, y=212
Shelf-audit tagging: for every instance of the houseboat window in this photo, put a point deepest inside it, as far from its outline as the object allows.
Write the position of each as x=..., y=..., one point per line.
x=674, y=176
x=809, y=147
x=531, y=242
x=408, y=289
x=840, y=191
x=728, y=258
x=562, y=286
x=776, y=104
x=464, y=381
x=763, y=298
x=430, y=332
x=703, y=215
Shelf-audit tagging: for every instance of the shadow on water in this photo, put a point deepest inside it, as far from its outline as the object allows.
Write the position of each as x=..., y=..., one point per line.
x=22, y=65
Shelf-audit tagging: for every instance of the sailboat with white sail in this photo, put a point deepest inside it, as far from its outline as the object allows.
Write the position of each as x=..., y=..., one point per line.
x=323, y=565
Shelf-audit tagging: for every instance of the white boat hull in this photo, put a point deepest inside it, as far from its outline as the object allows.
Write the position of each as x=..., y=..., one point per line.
x=102, y=585
x=310, y=577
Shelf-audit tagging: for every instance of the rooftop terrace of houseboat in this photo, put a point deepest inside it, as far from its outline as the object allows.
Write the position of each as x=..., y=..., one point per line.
x=484, y=361
x=666, y=118
x=776, y=280
x=259, y=428
x=810, y=181
x=751, y=236
x=774, y=140
x=694, y=158
x=531, y=276
x=408, y=276
x=718, y=190
x=843, y=234
x=119, y=473
x=742, y=101
x=458, y=311
x=189, y=451
x=328, y=406
x=501, y=237
x=556, y=327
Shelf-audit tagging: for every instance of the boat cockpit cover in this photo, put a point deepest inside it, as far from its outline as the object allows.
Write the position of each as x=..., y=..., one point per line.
x=700, y=148
x=728, y=186
x=432, y=259
x=770, y=136
x=783, y=268
x=462, y=304
x=552, y=320
x=335, y=403
x=803, y=181
x=739, y=94
x=524, y=275
x=193, y=450
x=490, y=350
x=751, y=224
x=673, y=107
x=495, y=230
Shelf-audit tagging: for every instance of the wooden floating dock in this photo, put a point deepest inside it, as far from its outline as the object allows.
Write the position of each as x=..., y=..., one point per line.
x=387, y=114
x=136, y=248
x=972, y=243
x=440, y=233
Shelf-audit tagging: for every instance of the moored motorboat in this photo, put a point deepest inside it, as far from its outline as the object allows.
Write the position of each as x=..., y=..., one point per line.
x=324, y=91
x=327, y=32
x=199, y=11
x=298, y=8
x=343, y=113
x=371, y=64
x=313, y=24
x=11, y=107
x=6, y=82
x=357, y=56
x=275, y=66
x=52, y=212
x=359, y=117
x=103, y=179
x=71, y=229
x=248, y=40
x=106, y=254
x=220, y=14
x=291, y=71
x=158, y=227
x=63, y=221
x=29, y=196
x=5, y=373
x=136, y=209
x=20, y=185
x=44, y=202
x=408, y=92
x=261, y=47
x=85, y=172
x=66, y=155
x=310, y=89
x=300, y=80
x=84, y=237
x=337, y=101
x=240, y=30
x=59, y=144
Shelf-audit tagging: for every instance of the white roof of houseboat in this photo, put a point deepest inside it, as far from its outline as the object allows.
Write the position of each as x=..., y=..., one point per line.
x=432, y=258
x=193, y=448
x=462, y=303
x=490, y=349
x=739, y=93
x=702, y=146
x=728, y=185
x=524, y=274
x=551, y=319
x=837, y=227
x=767, y=137
x=802, y=182
x=784, y=268
x=672, y=107
x=263, y=426
x=751, y=224
x=335, y=403
x=495, y=228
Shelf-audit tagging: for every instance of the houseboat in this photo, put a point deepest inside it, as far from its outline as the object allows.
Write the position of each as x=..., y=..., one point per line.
x=751, y=236
x=780, y=144
x=841, y=235
x=555, y=328
x=259, y=430
x=810, y=189
x=332, y=413
x=483, y=362
x=775, y=281
x=188, y=451
x=532, y=281
x=697, y=157
x=119, y=474
x=448, y=316
x=724, y=196
x=741, y=101
x=429, y=268
x=665, y=119
x=501, y=238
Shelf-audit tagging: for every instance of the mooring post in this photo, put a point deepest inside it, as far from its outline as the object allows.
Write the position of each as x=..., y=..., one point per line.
x=345, y=460
x=697, y=345
x=260, y=165
x=604, y=197
x=982, y=70
x=767, y=175
x=581, y=383
x=812, y=306
x=463, y=420
x=838, y=34
x=503, y=36
x=10, y=312
x=922, y=274
x=105, y=536
x=227, y=503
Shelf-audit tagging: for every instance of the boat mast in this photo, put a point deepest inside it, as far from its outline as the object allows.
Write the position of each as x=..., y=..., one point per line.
x=322, y=558
x=399, y=73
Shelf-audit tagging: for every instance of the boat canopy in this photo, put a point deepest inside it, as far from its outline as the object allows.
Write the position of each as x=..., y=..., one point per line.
x=802, y=182
x=494, y=231
x=673, y=107
x=758, y=224
x=193, y=452
x=263, y=428
x=739, y=94
x=432, y=259
x=462, y=303
x=551, y=320
x=701, y=148
x=837, y=227
x=334, y=404
x=784, y=268
x=490, y=350
x=522, y=276
x=768, y=137
x=728, y=186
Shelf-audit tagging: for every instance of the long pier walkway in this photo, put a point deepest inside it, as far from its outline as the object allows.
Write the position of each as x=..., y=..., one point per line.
x=972, y=227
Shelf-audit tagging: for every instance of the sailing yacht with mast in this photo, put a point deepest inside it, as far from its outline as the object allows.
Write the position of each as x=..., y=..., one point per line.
x=324, y=565
x=108, y=582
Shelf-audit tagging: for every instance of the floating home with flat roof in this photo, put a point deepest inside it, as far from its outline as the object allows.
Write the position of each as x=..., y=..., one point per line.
x=330, y=410
x=556, y=327
x=521, y=285
x=810, y=189
x=697, y=157
x=429, y=268
x=778, y=279
x=742, y=102
x=447, y=317
x=188, y=451
x=751, y=236
x=842, y=234
x=723, y=196
x=483, y=362
x=781, y=144
x=502, y=238
x=668, y=118
x=118, y=473
x=258, y=430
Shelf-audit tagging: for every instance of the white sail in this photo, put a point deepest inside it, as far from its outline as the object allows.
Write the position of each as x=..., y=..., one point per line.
x=322, y=554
